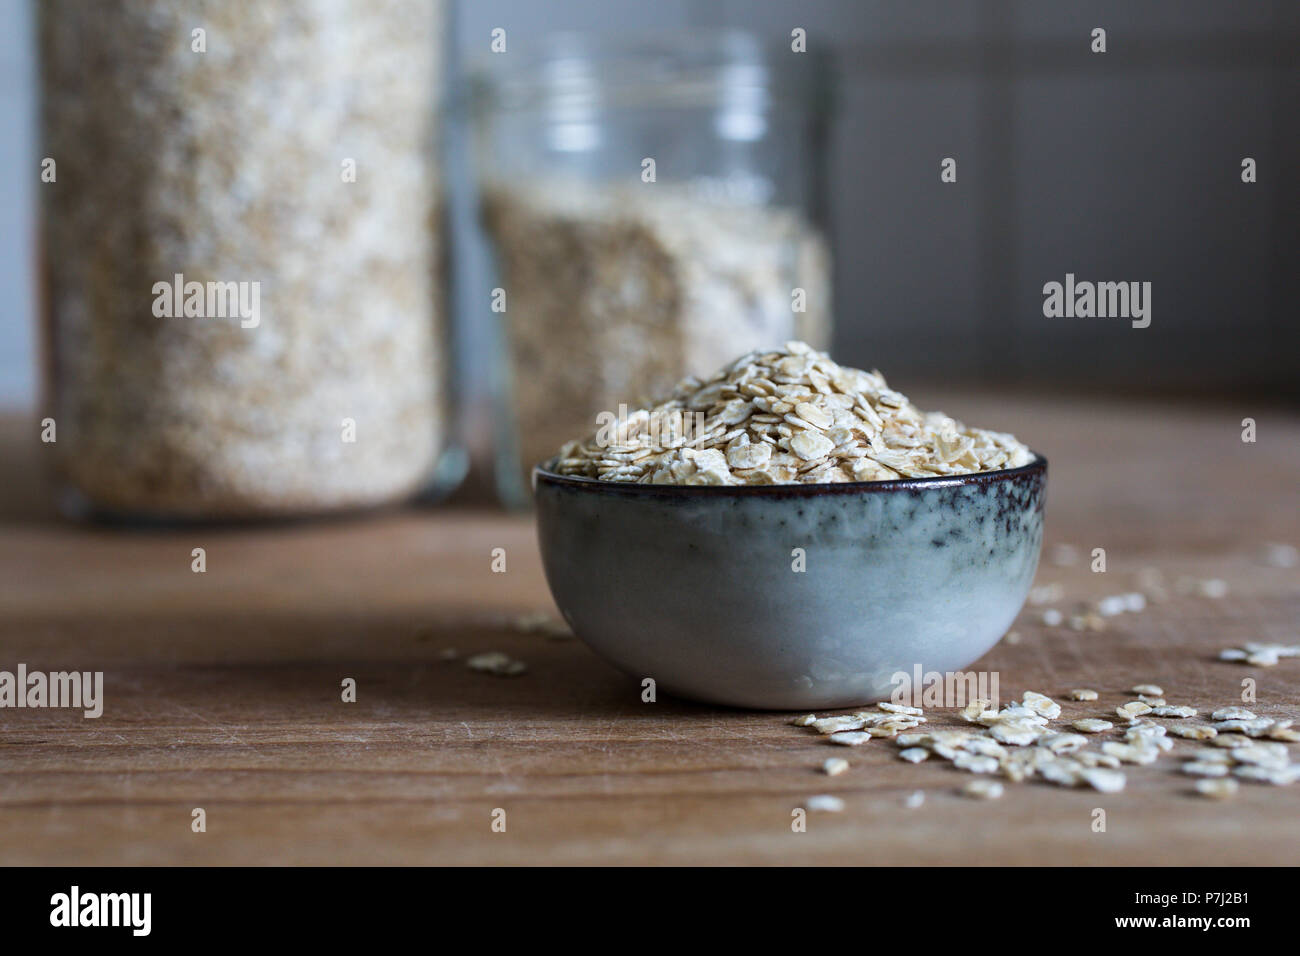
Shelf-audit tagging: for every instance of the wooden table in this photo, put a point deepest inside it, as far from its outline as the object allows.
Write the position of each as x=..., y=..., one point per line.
x=223, y=688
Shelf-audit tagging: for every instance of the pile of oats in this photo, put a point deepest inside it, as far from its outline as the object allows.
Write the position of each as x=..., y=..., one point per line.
x=1018, y=742
x=784, y=417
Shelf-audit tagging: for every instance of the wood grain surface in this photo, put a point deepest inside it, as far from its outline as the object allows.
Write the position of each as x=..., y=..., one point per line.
x=222, y=689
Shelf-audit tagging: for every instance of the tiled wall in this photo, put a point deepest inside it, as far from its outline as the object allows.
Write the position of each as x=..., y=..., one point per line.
x=1115, y=166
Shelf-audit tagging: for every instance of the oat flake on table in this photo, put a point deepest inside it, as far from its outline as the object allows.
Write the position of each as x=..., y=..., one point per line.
x=788, y=416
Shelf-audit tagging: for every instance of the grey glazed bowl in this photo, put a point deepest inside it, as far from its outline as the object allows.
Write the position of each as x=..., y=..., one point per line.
x=695, y=586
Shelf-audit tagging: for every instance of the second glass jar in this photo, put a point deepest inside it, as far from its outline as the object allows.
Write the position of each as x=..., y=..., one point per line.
x=654, y=208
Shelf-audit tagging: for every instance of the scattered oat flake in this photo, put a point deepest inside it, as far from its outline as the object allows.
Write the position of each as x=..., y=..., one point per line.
x=982, y=789
x=1041, y=704
x=914, y=754
x=1083, y=693
x=1089, y=621
x=1129, y=752
x=900, y=709
x=1090, y=758
x=1092, y=725
x=1046, y=593
x=887, y=730
x=1063, y=773
x=825, y=803
x=983, y=745
x=1216, y=789
x=1179, y=712
x=1281, y=555
x=1251, y=728
x=540, y=622
x=975, y=763
x=1232, y=713
x=1265, y=754
x=972, y=711
x=1278, y=776
x=1063, y=743
x=1103, y=780
x=1016, y=733
x=1144, y=730
x=850, y=738
x=832, y=725
x=1263, y=655
x=835, y=766
x=807, y=720
x=496, y=662
x=1151, y=690
x=1213, y=588
x=1193, y=732
x=1111, y=606
x=1200, y=768
x=1287, y=775
x=914, y=799
x=1133, y=709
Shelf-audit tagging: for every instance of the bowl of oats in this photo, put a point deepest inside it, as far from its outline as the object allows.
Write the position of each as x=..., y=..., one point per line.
x=789, y=534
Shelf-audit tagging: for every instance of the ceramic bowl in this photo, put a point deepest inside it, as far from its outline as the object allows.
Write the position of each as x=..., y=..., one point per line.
x=785, y=597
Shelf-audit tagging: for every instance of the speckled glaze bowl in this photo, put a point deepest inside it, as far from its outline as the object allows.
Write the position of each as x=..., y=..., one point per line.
x=696, y=587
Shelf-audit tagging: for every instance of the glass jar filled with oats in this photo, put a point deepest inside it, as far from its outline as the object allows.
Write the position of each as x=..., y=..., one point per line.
x=655, y=209
x=241, y=255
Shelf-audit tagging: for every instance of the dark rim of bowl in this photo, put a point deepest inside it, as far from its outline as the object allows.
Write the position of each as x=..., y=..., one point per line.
x=540, y=473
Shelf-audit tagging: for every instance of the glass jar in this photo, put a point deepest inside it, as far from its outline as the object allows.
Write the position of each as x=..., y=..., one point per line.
x=241, y=255
x=654, y=208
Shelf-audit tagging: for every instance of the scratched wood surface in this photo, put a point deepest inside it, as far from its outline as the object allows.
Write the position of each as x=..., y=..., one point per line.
x=223, y=689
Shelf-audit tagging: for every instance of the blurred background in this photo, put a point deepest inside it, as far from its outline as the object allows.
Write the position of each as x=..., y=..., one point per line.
x=428, y=246
x=1117, y=166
